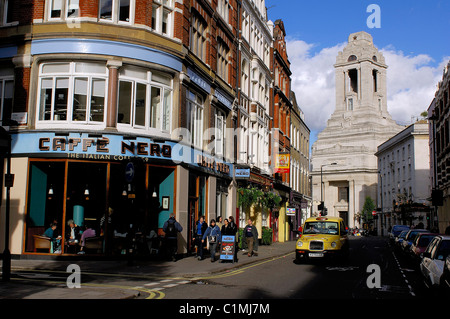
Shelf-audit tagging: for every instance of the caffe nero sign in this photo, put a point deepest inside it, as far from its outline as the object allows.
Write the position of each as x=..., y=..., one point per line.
x=113, y=147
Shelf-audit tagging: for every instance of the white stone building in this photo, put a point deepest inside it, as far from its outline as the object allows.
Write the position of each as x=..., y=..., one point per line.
x=343, y=157
x=404, y=178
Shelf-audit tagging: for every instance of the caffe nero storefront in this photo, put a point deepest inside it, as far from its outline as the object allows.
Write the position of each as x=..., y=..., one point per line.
x=123, y=187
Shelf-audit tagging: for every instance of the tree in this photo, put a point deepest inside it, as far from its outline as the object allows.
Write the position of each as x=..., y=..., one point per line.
x=368, y=208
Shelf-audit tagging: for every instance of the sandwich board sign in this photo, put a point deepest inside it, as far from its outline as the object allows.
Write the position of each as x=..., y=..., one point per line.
x=227, y=248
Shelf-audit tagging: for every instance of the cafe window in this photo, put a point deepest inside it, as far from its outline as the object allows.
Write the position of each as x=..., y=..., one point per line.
x=145, y=99
x=72, y=93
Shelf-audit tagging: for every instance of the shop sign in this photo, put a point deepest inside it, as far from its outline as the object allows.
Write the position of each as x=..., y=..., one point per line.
x=242, y=172
x=211, y=163
x=227, y=247
x=112, y=147
x=290, y=211
x=282, y=161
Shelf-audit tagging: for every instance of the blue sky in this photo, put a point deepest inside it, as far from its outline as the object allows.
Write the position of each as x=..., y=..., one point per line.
x=414, y=38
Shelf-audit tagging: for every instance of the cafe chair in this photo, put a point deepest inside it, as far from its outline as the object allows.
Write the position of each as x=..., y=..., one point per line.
x=42, y=242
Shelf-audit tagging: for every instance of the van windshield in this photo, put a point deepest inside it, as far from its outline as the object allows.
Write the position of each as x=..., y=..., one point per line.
x=321, y=227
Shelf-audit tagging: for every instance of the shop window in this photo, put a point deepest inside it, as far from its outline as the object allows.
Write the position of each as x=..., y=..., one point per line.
x=6, y=93
x=72, y=93
x=145, y=99
x=45, y=204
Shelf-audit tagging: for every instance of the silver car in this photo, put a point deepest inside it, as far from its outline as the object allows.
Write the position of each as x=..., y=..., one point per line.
x=433, y=261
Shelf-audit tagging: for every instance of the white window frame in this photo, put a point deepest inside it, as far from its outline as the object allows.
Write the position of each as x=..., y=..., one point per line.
x=65, y=4
x=223, y=52
x=115, y=12
x=71, y=75
x=149, y=83
x=162, y=6
x=220, y=119
x=3, y=80
x=195, y=104
x=198, y=38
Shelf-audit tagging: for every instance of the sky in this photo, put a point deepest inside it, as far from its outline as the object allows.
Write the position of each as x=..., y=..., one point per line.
x=413, y=35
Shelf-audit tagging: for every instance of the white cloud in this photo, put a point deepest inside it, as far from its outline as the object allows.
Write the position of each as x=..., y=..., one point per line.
x=411, y=85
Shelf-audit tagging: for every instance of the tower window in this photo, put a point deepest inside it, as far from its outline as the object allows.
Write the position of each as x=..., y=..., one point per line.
x=375, y=84
x=353, y=79
x=374, y=58
x=352, y=58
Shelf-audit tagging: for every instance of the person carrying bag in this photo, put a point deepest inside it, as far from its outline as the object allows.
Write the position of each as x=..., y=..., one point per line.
x=213, y=235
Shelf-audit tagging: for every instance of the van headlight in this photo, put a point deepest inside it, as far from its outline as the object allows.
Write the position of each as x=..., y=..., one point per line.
x=333, y=244
x=299, y=244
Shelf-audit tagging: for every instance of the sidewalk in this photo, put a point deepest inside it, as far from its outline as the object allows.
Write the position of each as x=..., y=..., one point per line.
x=187, y=268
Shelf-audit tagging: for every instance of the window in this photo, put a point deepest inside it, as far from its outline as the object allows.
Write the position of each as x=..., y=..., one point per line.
x=116, y=10
x=350, y=104
x=223, y=8
x=6, y=93
x=63, y=9
x=353, y=80
x=219, y=133
x=72, y=92
x=198, y=36
x=195, y=117
x=162, y=17
x=374, y=77
x=5, y=11
x=222, y=59
x=145, y=99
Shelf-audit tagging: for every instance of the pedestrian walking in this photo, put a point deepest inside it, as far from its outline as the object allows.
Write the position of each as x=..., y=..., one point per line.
x=213, y=235
x=251, y=236
x=199, y=230
x=171, y=228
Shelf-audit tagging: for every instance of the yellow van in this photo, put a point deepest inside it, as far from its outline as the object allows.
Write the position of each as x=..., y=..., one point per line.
x=322, y=237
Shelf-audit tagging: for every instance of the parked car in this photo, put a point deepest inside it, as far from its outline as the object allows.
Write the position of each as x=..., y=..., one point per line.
x=419, y=245
x=434, y=259
x=396, y=230
x=399, y=239
x=409, y=238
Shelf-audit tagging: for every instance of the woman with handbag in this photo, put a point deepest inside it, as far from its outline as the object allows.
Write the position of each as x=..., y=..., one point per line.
x=213, y=235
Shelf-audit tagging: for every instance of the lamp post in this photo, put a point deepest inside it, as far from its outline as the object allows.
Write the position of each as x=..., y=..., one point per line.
x=5, y=147
x=321, y=185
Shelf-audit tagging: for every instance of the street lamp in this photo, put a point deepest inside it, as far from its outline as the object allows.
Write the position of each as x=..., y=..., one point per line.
x=5, y=148
x=321, y=185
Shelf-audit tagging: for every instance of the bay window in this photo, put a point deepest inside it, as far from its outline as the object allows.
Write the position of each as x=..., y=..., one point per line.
x=72, y=93
x=61, y=9
x=145, y=99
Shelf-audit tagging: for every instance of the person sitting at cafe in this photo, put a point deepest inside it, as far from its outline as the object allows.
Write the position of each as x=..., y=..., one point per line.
x=72, y=232
x=52, y=234
x=87, y=233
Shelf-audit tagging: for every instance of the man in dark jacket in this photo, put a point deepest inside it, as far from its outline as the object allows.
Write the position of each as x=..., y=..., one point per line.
x=251, y=236
x=199, y=231
x=171, y=228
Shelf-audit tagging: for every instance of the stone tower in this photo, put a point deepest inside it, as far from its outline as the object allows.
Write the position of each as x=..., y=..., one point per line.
x=345, y=149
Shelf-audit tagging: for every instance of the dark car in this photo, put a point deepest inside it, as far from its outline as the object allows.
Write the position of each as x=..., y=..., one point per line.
x=409, y=238
x=396, y=230
x=399, y=239
x=419, y=245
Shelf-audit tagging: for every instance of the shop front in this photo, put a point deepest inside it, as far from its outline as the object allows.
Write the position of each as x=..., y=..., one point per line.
x=122, y=187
